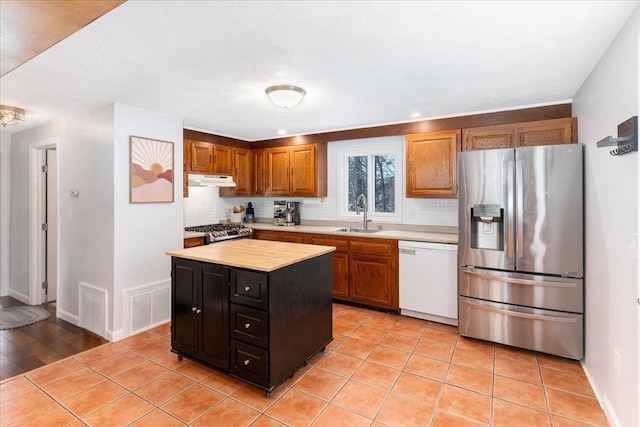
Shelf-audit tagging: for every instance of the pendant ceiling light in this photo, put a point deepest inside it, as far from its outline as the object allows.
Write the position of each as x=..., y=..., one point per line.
x=285, y=96
x=10, y=115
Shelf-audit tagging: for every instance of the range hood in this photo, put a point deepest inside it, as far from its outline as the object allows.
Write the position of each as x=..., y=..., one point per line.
x=197, y=180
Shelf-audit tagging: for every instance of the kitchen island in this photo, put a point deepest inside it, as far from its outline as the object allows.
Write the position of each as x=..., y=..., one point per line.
x=255, y=309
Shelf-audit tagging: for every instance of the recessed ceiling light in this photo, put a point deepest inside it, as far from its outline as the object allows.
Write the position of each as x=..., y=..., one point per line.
x=415, y=115
x=282, y=132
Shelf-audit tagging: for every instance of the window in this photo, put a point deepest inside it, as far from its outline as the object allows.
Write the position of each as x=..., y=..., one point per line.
x=372, y=167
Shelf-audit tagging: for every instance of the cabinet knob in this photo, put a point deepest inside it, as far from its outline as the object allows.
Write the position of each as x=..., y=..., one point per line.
x=246, y=362
x=247, y=288
x=194, y=308
x=247, y=325
x=198, y=311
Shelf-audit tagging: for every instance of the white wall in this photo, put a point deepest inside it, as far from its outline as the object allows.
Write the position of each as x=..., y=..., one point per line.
x=5, y=156
x=143, y=232
x=108, y=243
x=85, y=162
x=608, y=97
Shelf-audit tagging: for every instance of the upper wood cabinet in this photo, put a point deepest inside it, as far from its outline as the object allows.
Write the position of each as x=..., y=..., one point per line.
x=208, y=158
x=432, y=164
x=200, y=156
x=488, y=137
x=297, y=171
x=223, y=159
x=277, y=177
x=242, y=173
x=544, y=132
x=258, y=172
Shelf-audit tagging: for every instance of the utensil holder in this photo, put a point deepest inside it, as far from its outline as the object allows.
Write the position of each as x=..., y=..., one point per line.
x=235, y=218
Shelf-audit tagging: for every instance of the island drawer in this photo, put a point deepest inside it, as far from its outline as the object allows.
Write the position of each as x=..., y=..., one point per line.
x=249, y=362
x=249, y=325
x=249, y=288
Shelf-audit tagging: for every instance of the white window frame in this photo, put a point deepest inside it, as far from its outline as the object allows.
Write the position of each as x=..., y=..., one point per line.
x=369, y=147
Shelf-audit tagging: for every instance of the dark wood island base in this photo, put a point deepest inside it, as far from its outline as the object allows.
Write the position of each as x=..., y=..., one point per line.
x=257, y=326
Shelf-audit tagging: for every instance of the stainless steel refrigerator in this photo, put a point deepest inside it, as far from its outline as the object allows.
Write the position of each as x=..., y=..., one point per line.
x=520, y=251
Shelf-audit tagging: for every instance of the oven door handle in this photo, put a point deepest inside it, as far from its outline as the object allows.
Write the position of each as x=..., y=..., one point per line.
x=517, y=281
x=521, y=315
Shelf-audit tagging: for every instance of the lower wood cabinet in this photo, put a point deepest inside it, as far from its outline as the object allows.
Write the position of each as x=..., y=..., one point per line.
x=364, y=271
x=259, y=327
x=192, y=242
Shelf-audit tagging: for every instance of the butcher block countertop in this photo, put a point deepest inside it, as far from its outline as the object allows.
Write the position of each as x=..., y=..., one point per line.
x=261, y=255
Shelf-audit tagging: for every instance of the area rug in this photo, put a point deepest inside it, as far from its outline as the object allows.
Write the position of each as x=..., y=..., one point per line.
x=16, y=317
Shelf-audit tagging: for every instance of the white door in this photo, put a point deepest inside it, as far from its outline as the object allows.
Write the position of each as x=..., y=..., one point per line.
x=52, y=227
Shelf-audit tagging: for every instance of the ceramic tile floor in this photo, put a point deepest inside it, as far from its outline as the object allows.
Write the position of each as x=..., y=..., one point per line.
x=380, y=370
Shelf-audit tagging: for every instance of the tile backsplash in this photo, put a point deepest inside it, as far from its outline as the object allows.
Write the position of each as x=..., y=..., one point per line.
x=205, y=206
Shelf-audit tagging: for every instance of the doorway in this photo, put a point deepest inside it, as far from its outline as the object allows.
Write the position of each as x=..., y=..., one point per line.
x=50, y=170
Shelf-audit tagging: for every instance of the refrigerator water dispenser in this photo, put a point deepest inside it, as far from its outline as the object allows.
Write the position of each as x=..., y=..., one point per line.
x=487, y=227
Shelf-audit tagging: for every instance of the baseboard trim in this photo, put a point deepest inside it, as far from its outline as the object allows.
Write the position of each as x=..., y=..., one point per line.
x=609, y=412
x=67, y=317
x=20, y=297
x=114, y=336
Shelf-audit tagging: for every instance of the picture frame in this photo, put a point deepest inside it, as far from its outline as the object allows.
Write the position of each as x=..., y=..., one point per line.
x=151, y=170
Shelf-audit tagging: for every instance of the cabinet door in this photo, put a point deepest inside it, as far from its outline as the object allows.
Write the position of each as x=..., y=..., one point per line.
x=266, y=235
x=278, y=171
x=545, y=132
x=214, y=315
x=340, y=275
x=258, y=172
x=201, y=158
x=222, y=160
x=241, y=174
x=372, y=280
x=432, y=164
x=292, y=237
x=303, y=170
x=184, y=320
x=242, y=160
x=488, y=137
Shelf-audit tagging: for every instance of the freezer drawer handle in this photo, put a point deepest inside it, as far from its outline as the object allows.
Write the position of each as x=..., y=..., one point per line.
x=408, y=251
x=522, y=315
x=520, y=281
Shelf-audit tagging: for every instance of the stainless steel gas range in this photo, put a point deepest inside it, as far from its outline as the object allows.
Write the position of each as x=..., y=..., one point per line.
x=214, y=233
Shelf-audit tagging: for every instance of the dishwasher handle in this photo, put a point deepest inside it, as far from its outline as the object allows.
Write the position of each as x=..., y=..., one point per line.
x=407, y=251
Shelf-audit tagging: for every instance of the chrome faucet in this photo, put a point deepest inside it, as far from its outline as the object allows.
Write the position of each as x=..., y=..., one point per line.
x=365, y=221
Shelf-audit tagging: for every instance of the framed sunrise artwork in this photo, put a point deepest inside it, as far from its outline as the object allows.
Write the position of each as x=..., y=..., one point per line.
x=150, y=170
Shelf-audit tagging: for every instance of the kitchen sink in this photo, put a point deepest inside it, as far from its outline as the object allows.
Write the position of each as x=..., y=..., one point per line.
x=354, y=230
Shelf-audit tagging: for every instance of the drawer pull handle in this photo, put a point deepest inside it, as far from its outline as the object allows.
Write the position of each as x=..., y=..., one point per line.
x=246, y=362
x=247, y=288
x=198, y=311
x=247, y=325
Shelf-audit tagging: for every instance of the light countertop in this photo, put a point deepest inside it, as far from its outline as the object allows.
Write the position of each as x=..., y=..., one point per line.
x=261, y=255
x=418, y=236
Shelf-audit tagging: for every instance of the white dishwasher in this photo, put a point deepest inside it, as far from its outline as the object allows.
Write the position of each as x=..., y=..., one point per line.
x=429, y=281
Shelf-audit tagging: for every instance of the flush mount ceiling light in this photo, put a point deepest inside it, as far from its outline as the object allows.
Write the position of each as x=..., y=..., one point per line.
x=10, y=115
x=285, y=96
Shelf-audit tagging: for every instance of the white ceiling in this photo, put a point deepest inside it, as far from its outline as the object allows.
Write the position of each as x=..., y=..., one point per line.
x=361, y=63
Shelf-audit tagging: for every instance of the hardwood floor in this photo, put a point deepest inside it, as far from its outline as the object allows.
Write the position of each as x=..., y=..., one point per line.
x=45, y=342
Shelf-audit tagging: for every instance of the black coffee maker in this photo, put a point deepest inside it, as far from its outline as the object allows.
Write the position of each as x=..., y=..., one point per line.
x=249, y=215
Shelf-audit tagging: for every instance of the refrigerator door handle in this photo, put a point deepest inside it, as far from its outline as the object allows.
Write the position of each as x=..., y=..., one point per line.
x=518, y=281
x=519, y=209
x=521, y=315
x=510, y=209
